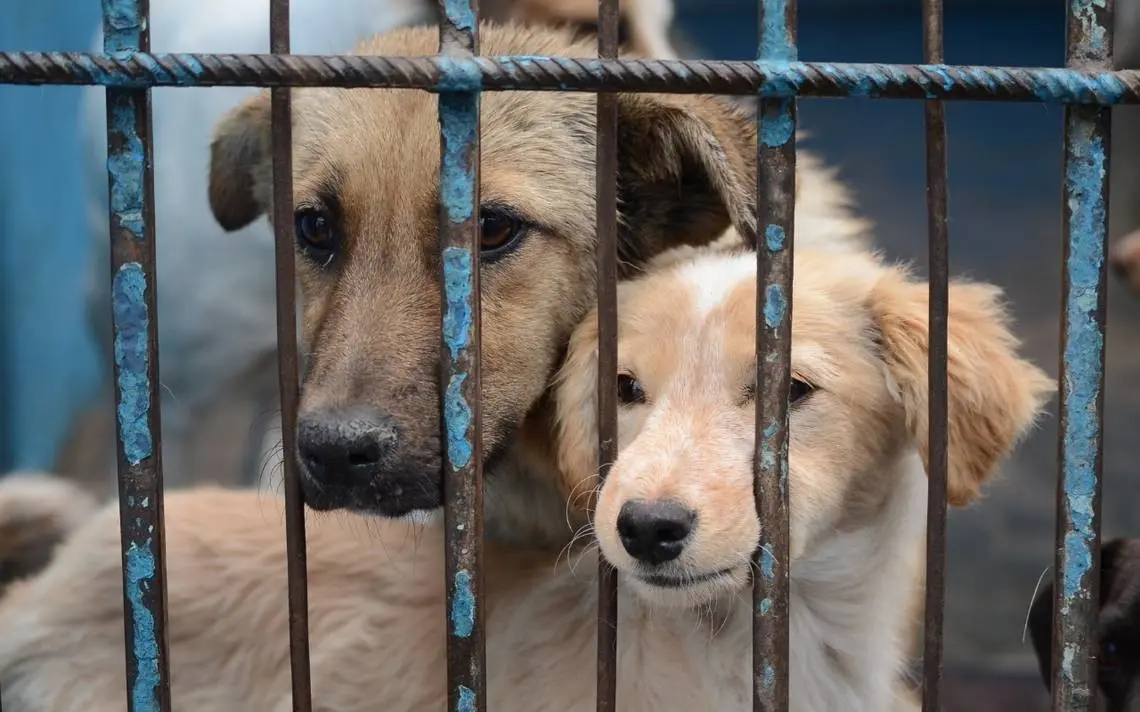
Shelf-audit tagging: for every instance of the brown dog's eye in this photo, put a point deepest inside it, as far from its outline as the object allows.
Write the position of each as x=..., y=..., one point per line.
x=500, y=232
x=316, y=234
x=630, y=390
x=798, y=391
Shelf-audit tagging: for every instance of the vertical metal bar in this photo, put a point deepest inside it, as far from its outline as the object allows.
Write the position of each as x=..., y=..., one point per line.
x=1085, y=228
x=130, y=179
x=606, y=187
x=775, y=217
x=937, y=228
x=287, y=374
x=461, y=375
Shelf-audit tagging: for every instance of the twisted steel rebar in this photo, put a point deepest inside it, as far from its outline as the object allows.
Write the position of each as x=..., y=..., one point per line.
x=771, y=79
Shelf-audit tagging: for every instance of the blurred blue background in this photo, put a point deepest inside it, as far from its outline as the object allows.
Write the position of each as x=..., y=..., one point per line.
x=1005, y=182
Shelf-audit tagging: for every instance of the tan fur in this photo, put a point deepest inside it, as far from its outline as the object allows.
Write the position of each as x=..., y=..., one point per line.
x=371, y=318
x=1124, y=257
x=376, y=589
x=687, y=334
x=37, y=513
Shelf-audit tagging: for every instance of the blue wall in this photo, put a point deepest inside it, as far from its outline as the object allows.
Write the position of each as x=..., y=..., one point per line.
x=48, y=362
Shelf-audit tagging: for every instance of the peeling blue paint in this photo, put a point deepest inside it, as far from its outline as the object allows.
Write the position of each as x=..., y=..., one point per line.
x=460, y=14
x=767, y=563
x=457, y=419
x=1093, y=35
x=766, y=606
x=128, y=294
x=140, y=572
x=457, y=285
x=466, y=699
x=775, y=305
x=775, y=35
x=774, y=237
x=458, y=115
x=458, y=74
x=776, y=131
x=462, y=605
x=1083, y=351
x=123, y=25
x=769, y=676
x=126, y=166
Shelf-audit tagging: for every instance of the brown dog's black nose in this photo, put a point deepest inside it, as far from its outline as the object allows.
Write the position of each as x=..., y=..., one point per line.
x=345, y=447
x=654, y=532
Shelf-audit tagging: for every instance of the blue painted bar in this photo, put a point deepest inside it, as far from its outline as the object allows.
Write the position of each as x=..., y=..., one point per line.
x=460, y=373
x=130, y=184
x=1076, y=594
x=775, y=220
x=773, y=79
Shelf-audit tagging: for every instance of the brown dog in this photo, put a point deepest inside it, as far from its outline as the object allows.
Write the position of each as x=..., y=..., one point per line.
x=365, y=186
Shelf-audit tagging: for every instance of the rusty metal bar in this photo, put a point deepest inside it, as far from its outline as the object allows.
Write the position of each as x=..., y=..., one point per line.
x=772, y=79
x=130, y=181
x=938, y=237
x=775, y=218
x=606, y=187
x=461, y=373
x=1080, y=437
x=287, y=373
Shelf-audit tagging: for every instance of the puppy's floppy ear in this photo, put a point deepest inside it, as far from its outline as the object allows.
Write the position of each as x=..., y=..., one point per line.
x=993, y=397
x=575, y=412
x=240, y=162
x=686, y=172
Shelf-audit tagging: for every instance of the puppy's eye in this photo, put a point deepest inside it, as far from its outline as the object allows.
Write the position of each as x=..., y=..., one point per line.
x=317, y=235
x=798, y=391
x=630, y=390
x=501, y=232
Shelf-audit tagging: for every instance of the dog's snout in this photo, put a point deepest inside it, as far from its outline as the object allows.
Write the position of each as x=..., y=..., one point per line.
x=345, y=446
x=655, y=532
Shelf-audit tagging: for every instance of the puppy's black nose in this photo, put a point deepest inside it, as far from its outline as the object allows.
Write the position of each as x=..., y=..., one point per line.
x=654, y=532
x=345, y=446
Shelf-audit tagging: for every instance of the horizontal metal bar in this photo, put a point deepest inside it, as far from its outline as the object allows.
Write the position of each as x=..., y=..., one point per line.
x=525, y=73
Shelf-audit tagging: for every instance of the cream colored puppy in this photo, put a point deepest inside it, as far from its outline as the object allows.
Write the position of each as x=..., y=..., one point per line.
x=676, y=514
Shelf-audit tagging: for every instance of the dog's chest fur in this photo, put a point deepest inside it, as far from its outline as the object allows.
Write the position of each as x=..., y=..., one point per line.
x=849, y=598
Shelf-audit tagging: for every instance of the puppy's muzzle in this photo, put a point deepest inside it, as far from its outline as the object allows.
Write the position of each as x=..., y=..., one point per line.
x=655, y=532
x=349, y=459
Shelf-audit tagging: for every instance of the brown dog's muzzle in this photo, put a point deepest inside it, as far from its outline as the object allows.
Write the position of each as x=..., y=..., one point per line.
x=351, y=458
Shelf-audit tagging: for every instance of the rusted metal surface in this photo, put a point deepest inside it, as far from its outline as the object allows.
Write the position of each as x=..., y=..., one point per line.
x=936, y=208
x=775, y=217
x=606, y=186
x=459, y=237
x=1085, y=227
x=822, y=79
x=130, y=172
x=297, y=560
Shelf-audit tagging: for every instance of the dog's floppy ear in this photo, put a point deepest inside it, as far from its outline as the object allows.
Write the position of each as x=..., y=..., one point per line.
x=240, y=161
x=686, y=172
x=993, y=397
x=575, y=412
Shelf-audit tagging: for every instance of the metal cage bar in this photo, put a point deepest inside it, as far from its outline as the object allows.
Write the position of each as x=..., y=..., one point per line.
x=938, y=239
x=460, y=373
x=1083, y=310
x=1087, y=86
x=533, y=73
x=130, y=173
x=606, y=212
x=281, y=119
x=775, y=222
